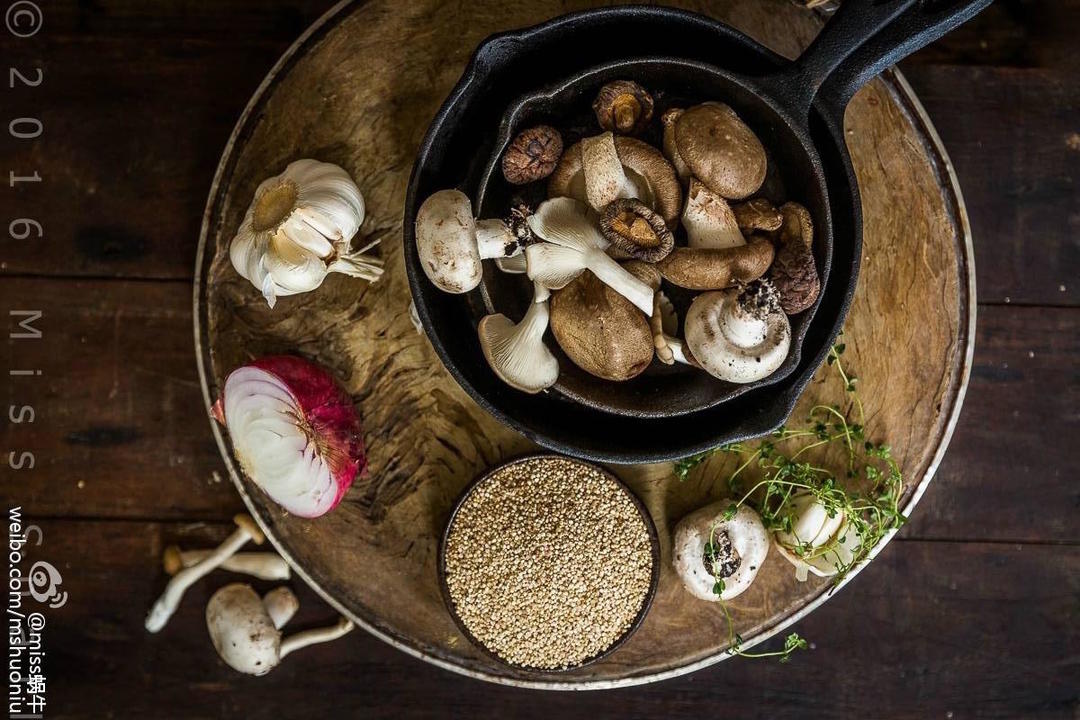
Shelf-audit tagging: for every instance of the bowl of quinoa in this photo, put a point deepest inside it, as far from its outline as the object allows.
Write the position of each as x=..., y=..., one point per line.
x=548, y=563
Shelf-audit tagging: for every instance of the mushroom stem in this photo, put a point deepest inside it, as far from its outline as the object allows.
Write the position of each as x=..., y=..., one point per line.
x=168, y=602
x=313, y=637
x=495, y=240
x=264, y=566
x=680, y=353
x=563, y=223
x=281, y=605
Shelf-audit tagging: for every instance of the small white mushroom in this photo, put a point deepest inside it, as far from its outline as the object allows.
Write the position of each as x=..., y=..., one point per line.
x=709, y=548
x=517, y=353
x=245, y=636
x=739, y=336
x=708, y=219
x=574, y=245
x=166, y=605
x=818, y=542
x=262, y=565
x=451, y=243
x=281, y=605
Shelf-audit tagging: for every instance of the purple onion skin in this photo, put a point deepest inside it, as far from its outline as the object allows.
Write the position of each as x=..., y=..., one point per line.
x=328, y=411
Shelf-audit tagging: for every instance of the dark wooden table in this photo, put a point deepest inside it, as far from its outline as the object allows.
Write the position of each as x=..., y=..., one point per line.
x=972, y=612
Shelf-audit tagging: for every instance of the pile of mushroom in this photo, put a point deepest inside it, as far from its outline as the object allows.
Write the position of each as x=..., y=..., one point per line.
x=601, y=247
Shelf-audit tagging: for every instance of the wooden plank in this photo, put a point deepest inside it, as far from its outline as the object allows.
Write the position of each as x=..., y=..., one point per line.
x=931, y=630
x=1013, y=139
x=126, y=177
x=119, y=409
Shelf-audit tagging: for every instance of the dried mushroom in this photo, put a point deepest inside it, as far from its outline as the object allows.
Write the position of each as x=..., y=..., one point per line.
x=600, y=330
x=647, y=175
x=757, y=214
x=717, y=268
x=624, y=107
x=632, y=227
x=532, y=155
x=794, y=273
x=721, y=150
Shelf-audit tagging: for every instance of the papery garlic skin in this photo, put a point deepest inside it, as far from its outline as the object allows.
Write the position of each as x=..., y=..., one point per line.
x=299, y=228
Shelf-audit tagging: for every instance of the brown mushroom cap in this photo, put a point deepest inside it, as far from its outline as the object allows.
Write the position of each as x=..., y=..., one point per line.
x=631, y=226
x=757, y=214
x=717, y=268
x=532, y=155
x=721, y=150
x=794, y=273
x=623, y=106
x=600, y=330
x=648, y=162
x=641, y=159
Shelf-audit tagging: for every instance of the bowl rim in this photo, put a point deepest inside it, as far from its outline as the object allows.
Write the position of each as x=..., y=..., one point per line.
x=646, y=603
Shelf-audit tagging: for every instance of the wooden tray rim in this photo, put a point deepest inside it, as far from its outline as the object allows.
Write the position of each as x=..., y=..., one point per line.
x=216, y=197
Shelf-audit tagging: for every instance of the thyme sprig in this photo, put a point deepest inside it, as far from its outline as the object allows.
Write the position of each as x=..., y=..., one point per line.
x=867, y=491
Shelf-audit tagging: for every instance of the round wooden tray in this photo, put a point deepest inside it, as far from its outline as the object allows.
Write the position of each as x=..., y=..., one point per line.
x=358, y=89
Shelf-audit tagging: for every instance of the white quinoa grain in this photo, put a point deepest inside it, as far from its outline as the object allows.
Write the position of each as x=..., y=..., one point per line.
x=548, y=562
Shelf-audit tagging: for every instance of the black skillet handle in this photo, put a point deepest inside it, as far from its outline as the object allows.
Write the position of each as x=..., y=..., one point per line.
x=909, y=32
x=863, y=38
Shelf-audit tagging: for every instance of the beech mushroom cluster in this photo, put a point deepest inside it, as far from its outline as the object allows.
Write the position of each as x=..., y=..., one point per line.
x=623, y=218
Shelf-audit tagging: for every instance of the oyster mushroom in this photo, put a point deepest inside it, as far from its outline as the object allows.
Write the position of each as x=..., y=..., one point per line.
x=818, y=542
x=648, y=176
x=245, y=635
x=709, y=550
x=708, y=219
x=720, y=150
x=517, y=353
x=739, y=336
x=513, y=265
x=794, y=273
x=671, y=148
x=600, y=330
x=451, y=243
x=717, y=268
x=623, y=106
x=632, y=227
x=757, y=214
x=574, y=245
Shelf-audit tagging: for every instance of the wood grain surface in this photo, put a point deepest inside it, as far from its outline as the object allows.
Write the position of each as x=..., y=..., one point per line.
x=972, y=616
x=427, y=439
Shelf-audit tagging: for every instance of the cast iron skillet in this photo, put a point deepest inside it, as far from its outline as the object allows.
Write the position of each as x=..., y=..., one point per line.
x=780, y=100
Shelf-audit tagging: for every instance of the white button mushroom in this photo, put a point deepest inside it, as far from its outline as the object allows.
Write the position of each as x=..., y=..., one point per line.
x=451, y=243
x=738, y=336
x=819, y=542
x=166, y=605
x=573, y=245
x=245, y=635
x=262, y=565
x=517, y=353
x=708, y=548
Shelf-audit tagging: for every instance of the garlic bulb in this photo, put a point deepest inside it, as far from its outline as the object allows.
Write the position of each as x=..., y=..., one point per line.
x=299, y=229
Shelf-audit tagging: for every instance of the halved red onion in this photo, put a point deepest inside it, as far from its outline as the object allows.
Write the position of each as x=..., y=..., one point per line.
x=295, y=432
